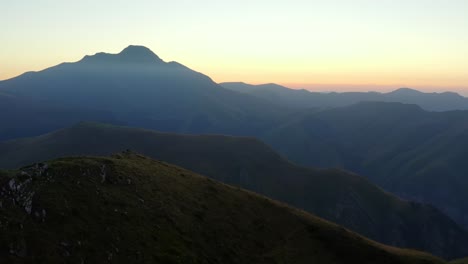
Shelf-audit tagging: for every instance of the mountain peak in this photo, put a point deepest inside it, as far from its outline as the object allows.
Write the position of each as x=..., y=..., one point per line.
x=405, y=91
x=139, y=54
x=131, y=54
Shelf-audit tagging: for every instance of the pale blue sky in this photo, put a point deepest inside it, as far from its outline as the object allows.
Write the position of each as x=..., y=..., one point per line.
x=334, y=43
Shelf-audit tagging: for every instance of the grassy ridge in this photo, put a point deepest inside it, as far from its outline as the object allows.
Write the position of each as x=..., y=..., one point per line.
x=129, y=208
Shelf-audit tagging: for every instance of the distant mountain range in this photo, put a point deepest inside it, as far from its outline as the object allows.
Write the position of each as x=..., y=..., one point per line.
x=131, y=209
x=336, y=195
x=284, y=96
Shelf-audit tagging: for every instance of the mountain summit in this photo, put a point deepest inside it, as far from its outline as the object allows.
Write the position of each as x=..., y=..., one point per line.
x=139, y=54
x=131, y=54
x=138, y=89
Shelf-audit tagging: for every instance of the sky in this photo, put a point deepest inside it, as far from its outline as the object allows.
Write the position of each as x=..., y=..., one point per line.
x=328, y=45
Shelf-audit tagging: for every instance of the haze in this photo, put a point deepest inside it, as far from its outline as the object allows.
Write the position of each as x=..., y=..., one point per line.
x=320, y=45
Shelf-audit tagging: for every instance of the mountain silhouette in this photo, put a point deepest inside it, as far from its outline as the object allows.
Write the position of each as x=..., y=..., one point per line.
x=139, y=89
x=131, y=54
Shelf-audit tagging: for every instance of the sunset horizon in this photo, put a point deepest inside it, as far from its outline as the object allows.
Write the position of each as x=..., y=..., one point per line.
x=340, y=45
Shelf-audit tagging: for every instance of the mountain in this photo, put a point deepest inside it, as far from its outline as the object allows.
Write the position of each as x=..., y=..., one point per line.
x=336, y=195
x=140, y=89
x=300, y=99
x=413, y=153
x=128, y=208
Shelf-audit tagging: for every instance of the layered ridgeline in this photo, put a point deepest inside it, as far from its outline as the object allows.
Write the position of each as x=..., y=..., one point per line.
x=416, y=154
x=131, y=209
x=335, y=195
x=138, y=88
x=306, y=99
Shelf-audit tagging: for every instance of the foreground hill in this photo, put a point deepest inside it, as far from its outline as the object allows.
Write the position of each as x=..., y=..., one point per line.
x=305, y=99
x=335, y=195
x=129, y=209
x=416, y=154
x=139, y=89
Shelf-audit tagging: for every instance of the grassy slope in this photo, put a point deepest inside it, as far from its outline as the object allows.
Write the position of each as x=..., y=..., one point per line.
x=148, y=211
x=460, y=261
x=336, y=195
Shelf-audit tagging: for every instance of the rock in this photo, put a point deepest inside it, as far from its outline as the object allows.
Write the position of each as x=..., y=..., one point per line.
x=28, y=206
x=12, y=184
x=103, y=173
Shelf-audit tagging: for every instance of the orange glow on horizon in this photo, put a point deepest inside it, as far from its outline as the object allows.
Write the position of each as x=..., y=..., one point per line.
x=314, y=82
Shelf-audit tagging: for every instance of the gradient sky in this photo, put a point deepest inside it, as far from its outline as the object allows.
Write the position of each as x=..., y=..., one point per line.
x=323, y=45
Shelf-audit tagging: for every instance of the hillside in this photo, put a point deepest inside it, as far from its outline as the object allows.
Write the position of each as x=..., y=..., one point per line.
x=281, y=95
x=460, y=261
x=335, y=195
x=416, y=154
x=139, y=89
x=129, y=208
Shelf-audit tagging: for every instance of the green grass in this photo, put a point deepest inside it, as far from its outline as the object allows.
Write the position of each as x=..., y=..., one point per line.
x=146, y=211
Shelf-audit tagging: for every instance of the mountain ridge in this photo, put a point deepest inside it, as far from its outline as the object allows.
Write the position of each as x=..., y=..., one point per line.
x=335, y=195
